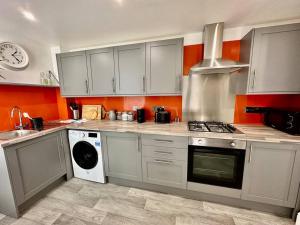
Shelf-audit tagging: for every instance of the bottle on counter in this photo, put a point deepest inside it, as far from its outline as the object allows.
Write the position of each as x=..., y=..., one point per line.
x=124, y=116
x=119, y=116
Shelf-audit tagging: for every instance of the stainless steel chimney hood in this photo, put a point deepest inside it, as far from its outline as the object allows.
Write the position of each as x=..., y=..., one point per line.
x=213, y=62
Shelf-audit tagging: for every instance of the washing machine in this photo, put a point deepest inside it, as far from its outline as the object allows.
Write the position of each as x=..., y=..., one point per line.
x=87, y=159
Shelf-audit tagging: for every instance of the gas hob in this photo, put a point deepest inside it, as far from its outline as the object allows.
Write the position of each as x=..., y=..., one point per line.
x=217, y=127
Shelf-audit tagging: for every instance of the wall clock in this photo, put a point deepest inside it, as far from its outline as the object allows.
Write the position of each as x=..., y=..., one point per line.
x=13, y=56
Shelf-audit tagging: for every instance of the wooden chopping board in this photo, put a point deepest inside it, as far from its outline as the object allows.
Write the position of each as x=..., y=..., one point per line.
x=91, y=112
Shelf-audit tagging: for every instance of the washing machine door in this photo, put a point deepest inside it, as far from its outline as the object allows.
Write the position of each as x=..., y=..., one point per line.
x=85, y=155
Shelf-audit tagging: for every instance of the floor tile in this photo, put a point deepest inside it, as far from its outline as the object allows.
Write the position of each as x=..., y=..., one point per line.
x=246, y=214
x=23, y=221
x=102, y=191
x=1, y=216
x=42, y=215
x=112, y=219
x=7, y=220
x=73, y=198
x=179, y=201
x=68, y=220
x=204, y=220
x=125, y=209
x=75, y=210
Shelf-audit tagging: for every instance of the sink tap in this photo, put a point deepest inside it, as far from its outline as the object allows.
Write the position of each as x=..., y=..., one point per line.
x=20, y=126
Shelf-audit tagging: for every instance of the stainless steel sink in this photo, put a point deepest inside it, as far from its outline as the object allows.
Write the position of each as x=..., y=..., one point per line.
x=15, y=134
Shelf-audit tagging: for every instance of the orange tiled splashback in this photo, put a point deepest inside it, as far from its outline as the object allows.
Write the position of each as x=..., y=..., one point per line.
x=48, y=103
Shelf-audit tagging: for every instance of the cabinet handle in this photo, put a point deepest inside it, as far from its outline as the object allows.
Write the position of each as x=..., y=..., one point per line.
x=162, y=140
x=113, y=85
x=87, y=86
x=163, y=152
x=144, y=84
x=179, y=83
x=250, y=155
x=253, y=79
x=163, y=161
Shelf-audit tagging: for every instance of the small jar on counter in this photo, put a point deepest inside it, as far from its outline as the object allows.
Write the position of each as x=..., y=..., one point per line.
x=130, y=116
x=119, y=116
x=124, y=116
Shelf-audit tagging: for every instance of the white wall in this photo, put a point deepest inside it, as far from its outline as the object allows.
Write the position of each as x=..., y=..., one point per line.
x=39, y=59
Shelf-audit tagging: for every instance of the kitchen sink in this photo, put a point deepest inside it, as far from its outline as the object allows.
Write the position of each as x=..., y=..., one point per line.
x=15, y=134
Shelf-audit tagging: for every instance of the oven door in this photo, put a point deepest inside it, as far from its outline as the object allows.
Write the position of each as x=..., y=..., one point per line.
x=216, y=166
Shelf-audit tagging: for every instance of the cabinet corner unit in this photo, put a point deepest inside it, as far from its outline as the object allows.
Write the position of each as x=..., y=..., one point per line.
x=29, y=167
x=152, y=68
x=273, y=55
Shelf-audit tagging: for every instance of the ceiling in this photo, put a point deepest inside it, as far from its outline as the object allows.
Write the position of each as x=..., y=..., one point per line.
x=84, y=23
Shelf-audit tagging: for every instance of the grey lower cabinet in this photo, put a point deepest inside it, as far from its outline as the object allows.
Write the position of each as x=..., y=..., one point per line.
x=164, y=66
x=73, y=74
x=122, y=155
x=164, y=160
x=31, y=167
x=273, y=54
x=130, y=69
x=101, y=71
x=272, y=173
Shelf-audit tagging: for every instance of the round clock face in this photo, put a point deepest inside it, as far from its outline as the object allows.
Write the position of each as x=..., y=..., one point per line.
x=13, y=56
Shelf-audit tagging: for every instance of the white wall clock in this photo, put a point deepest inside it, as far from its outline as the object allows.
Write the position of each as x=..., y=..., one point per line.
x=13, y=56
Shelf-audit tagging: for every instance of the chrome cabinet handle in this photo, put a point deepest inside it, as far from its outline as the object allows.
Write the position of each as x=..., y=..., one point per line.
x=163, y=152
x=163, y=161
x=113, y=85
x=87, y=86
x=253, y=79
x=179, y=83
x=250, y=154
x=162, y=140
x=144, y=84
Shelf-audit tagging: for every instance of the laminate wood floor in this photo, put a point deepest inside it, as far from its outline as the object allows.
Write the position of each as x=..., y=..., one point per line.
x=80, y=202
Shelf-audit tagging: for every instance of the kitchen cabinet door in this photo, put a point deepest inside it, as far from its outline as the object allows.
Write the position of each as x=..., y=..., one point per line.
x=164, y=67
x=275, y=60
x=101, y=70
x=35, y=164
x=73, y=75
x=130, y=69
x=122, y=156
x=167, y=172
x=272, y=174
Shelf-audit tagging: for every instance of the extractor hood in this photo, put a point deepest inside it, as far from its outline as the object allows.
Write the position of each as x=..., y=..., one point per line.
x=212, y=60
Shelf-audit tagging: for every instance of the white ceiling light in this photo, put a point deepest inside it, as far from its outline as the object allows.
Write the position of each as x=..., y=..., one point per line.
x=28, y=15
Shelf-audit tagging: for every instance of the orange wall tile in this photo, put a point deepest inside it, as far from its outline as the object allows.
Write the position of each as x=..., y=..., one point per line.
x=274, y=101
x=37, y=101
x=171, y=103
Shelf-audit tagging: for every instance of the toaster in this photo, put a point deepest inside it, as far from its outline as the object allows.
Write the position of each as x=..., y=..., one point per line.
x=162, y=116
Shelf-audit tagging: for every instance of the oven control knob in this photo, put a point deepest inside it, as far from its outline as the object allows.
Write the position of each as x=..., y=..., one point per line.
x=199, y=141
x=232, y=144
x=83, y=135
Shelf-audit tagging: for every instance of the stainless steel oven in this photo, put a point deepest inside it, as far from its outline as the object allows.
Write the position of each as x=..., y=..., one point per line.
x=216, y=161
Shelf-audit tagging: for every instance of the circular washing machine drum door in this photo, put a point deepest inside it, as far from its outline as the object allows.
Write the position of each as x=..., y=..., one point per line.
x=85, y=155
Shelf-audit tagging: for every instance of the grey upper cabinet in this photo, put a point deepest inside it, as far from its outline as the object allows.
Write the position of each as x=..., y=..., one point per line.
x=153, y=68
x=72, y=70
x=122, y=156
x=274, y=59
x=164, y=67
x=272, y=173
x=35, y=164
x=130, y=69
x=101, y=71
